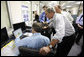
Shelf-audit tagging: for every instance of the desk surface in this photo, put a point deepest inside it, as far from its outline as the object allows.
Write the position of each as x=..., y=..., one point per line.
x=10, y=49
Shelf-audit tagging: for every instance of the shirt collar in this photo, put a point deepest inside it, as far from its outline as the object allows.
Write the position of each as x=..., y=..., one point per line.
x=52, y=19
x=36, y=33
x=54, y=16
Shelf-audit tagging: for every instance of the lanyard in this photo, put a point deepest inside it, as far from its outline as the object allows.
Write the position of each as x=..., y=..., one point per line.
x=80, y=17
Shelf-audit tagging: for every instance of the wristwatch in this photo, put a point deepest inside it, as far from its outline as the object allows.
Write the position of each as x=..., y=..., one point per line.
x=50, y=46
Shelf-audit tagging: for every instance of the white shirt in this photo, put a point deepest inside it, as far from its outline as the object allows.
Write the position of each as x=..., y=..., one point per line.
x=62, y=26
x=58, y=23
x=68, y=15
x=69, y=29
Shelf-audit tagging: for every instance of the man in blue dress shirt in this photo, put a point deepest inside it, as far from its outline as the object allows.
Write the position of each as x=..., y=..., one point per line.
x=45, y=21
x=36, y=41
x=43, y=17
x=79, y=23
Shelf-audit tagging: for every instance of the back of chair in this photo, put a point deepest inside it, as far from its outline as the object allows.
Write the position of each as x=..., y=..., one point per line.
x=24, y=51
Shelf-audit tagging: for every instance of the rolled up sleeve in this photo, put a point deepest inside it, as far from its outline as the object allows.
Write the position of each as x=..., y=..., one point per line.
x=60, y=29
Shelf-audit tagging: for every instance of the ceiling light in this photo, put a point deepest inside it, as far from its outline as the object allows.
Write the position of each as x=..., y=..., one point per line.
x=78, y=2
x=68, y=6
x=71, y=1
x=63, y=4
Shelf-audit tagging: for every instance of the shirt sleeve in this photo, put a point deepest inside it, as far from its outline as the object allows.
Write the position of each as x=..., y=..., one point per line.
x=21, y=42
x=41, y=17
x=77, y=20
x=59, y=28
x=47, y=41
x=48, y=20
x=70, y=17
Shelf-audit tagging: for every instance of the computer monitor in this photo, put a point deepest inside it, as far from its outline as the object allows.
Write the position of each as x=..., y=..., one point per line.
x=19, y=25
x=4, y=36
x=18, y=33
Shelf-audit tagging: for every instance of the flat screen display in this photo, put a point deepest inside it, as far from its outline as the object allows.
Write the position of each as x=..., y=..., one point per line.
x=19, y=25
x=4, y=35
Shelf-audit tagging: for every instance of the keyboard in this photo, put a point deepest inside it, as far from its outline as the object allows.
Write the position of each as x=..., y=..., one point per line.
x=23, y=36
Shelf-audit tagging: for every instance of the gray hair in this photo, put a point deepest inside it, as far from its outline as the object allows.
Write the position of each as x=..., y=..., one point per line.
x=50, y=10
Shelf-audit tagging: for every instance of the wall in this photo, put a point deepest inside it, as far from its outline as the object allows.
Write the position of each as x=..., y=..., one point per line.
x=15, y=10
x=35, y=7
x=28, y=4
x=74, y=10
x=4, y=15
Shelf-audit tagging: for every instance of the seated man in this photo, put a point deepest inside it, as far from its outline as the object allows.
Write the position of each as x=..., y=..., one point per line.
x=36, y=41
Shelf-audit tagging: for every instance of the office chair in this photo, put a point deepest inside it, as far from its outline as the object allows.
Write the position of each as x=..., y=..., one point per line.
x=25, y=51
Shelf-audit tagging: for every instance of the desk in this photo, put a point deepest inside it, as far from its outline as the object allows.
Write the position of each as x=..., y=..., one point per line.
x=10, y=49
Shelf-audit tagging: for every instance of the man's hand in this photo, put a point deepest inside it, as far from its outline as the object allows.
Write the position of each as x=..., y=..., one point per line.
x=80, y=26
x=45, y=22
x=44, y=50
x=45, y=27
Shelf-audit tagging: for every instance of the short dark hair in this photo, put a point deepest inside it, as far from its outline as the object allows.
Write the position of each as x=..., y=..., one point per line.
x=44, y=6
x=33, y=12
x=64, y=9
x=37, y=26
x=59, y=7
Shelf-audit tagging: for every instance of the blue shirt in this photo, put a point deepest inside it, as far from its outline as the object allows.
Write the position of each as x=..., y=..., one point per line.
x=36, y=41
x=42, y=18
x=80, y=19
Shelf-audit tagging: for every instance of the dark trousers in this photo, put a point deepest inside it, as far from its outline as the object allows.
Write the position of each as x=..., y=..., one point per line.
x=79, y=35
x=65, y=46
x=53, y=31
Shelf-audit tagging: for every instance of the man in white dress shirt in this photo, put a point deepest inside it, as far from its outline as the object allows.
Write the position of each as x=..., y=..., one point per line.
x=64, y=31
x=69, y=38
x=68, y=15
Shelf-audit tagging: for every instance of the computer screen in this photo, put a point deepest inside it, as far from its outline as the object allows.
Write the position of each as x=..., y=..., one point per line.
x=19, y=25
x=18, y=32
x=4, y=35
